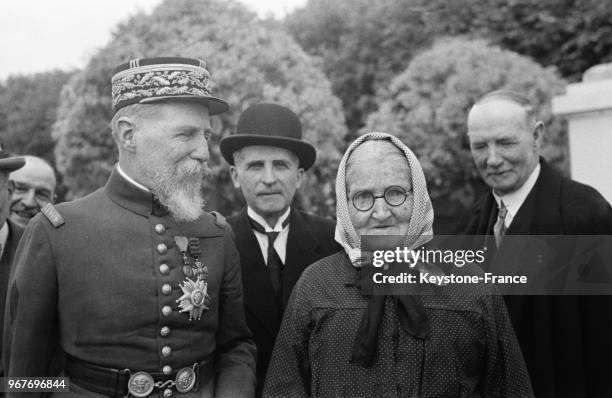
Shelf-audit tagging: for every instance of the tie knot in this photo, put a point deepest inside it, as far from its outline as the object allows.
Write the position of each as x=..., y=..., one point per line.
x=503, y=210
x=272, y=236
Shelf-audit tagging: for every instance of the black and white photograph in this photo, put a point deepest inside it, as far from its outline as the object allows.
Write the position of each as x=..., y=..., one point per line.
x=306, y=198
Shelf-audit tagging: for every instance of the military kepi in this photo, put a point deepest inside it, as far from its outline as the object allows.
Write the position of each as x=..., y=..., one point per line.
x=8, y=162
x=148, y=80
x=270, y=125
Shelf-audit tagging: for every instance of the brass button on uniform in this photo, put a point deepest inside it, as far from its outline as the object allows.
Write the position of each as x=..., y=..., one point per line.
x=165, y=331
x=160, y=229
x=162, y=248
x=167, y=393
x=166, y=289
x=166, y=351
x=167, y=369
x=164, y=269
x=166, y=310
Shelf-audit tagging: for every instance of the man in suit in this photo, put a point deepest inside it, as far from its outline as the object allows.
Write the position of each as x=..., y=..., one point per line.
x=135, y=282
x=35, y=185
x=565, y=339
x=276, y=241
x=9, y=232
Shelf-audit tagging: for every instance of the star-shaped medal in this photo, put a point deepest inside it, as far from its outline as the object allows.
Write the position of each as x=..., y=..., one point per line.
x=195, y=298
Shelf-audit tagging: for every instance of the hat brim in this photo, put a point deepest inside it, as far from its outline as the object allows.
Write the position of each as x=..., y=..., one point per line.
x=215, y=105
x=305, y=152
x=12, y=163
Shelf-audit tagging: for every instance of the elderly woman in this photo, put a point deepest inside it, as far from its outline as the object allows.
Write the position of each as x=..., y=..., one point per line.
x=337, y=341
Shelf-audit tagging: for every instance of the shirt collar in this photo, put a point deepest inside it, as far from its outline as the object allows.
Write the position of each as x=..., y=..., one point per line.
x=279, y=224
x=4, y=230
x=514, y=200
x=130, y=180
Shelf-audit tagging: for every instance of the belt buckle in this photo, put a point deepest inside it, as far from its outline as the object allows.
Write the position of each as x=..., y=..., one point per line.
x=185, y=379
x=141, y=384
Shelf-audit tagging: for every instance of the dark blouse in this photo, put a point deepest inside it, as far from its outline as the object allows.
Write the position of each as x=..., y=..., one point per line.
x=471, y=350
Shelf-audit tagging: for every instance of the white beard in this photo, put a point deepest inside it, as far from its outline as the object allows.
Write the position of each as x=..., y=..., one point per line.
x=179, y=188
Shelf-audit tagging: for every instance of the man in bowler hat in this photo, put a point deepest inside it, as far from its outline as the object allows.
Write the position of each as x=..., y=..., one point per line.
x=135, y=282
x=276, y=241
x=10, y=233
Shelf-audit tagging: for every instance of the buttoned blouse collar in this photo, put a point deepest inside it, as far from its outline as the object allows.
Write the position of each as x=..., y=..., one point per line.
x=514, y=200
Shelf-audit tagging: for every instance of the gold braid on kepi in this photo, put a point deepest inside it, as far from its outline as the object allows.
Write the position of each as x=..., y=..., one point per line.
x=148, y=80
x=420, y=229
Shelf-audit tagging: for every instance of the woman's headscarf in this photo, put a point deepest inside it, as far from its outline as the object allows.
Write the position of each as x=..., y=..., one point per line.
x=420, y=227
x=411, y=313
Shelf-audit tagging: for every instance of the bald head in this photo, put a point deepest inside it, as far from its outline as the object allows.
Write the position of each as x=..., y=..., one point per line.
x=505, y=141
x=35, y=185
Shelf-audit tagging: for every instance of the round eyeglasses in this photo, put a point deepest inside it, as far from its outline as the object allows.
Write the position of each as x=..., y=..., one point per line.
x=394, y=196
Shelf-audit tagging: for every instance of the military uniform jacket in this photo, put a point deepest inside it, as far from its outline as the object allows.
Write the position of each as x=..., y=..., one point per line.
x=98, y=285
x=565, y=339
x=310, y=239
x=6, y=259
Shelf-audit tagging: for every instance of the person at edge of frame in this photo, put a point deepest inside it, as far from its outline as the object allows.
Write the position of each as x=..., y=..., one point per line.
x=565, y=339
x=138, y=285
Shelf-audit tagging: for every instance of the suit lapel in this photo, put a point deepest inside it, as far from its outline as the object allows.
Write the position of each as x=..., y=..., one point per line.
x=302, y=250
x=540, y=213
x=258, y=293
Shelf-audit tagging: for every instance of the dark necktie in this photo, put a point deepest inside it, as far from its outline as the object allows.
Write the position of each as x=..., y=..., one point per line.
x=275, y=265
x=499, y=229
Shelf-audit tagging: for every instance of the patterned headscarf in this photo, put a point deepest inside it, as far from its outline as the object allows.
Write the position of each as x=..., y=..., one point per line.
x=420, y=227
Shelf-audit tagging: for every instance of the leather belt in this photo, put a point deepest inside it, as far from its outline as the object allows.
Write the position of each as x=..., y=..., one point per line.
x=123, y=383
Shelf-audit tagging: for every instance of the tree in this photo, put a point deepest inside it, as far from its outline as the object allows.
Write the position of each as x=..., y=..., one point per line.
x=427, y=105
x=250, y=60
x=361, y=45
x=572, y=35
x=28, y=107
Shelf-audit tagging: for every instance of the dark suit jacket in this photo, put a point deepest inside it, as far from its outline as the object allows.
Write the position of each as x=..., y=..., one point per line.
x=12, y=241
x=566, y=340
x=310, y=239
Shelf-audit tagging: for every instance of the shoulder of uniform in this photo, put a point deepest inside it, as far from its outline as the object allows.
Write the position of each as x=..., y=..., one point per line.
x=54, y=217
x=220, y=221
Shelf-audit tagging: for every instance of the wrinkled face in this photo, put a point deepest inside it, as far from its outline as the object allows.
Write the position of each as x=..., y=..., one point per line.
x=5, y=197
x=34, y=187
x=268, y=177
x=374, y=166
x=504, y=145
x=171, y=152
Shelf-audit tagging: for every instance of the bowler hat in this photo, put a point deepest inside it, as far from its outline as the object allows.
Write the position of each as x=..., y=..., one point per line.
x=10, y=163
x=270, y=125
x=146, y=80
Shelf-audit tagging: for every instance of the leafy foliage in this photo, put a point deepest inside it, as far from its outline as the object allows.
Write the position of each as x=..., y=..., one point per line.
x=363, y=44
x=28, y=106
x=427, y=105
x=250, y=60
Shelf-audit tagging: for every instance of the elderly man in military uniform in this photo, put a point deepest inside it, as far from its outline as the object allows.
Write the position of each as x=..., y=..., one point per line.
x=137, y=284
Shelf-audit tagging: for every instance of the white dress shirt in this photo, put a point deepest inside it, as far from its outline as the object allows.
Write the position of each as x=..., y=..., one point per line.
x=514, y=200
x=280, y=244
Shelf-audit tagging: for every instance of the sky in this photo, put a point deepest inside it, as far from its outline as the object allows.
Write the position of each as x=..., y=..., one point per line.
x=41, y=35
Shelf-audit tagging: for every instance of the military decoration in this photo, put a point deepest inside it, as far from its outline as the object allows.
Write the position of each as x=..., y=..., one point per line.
x=195, y=299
